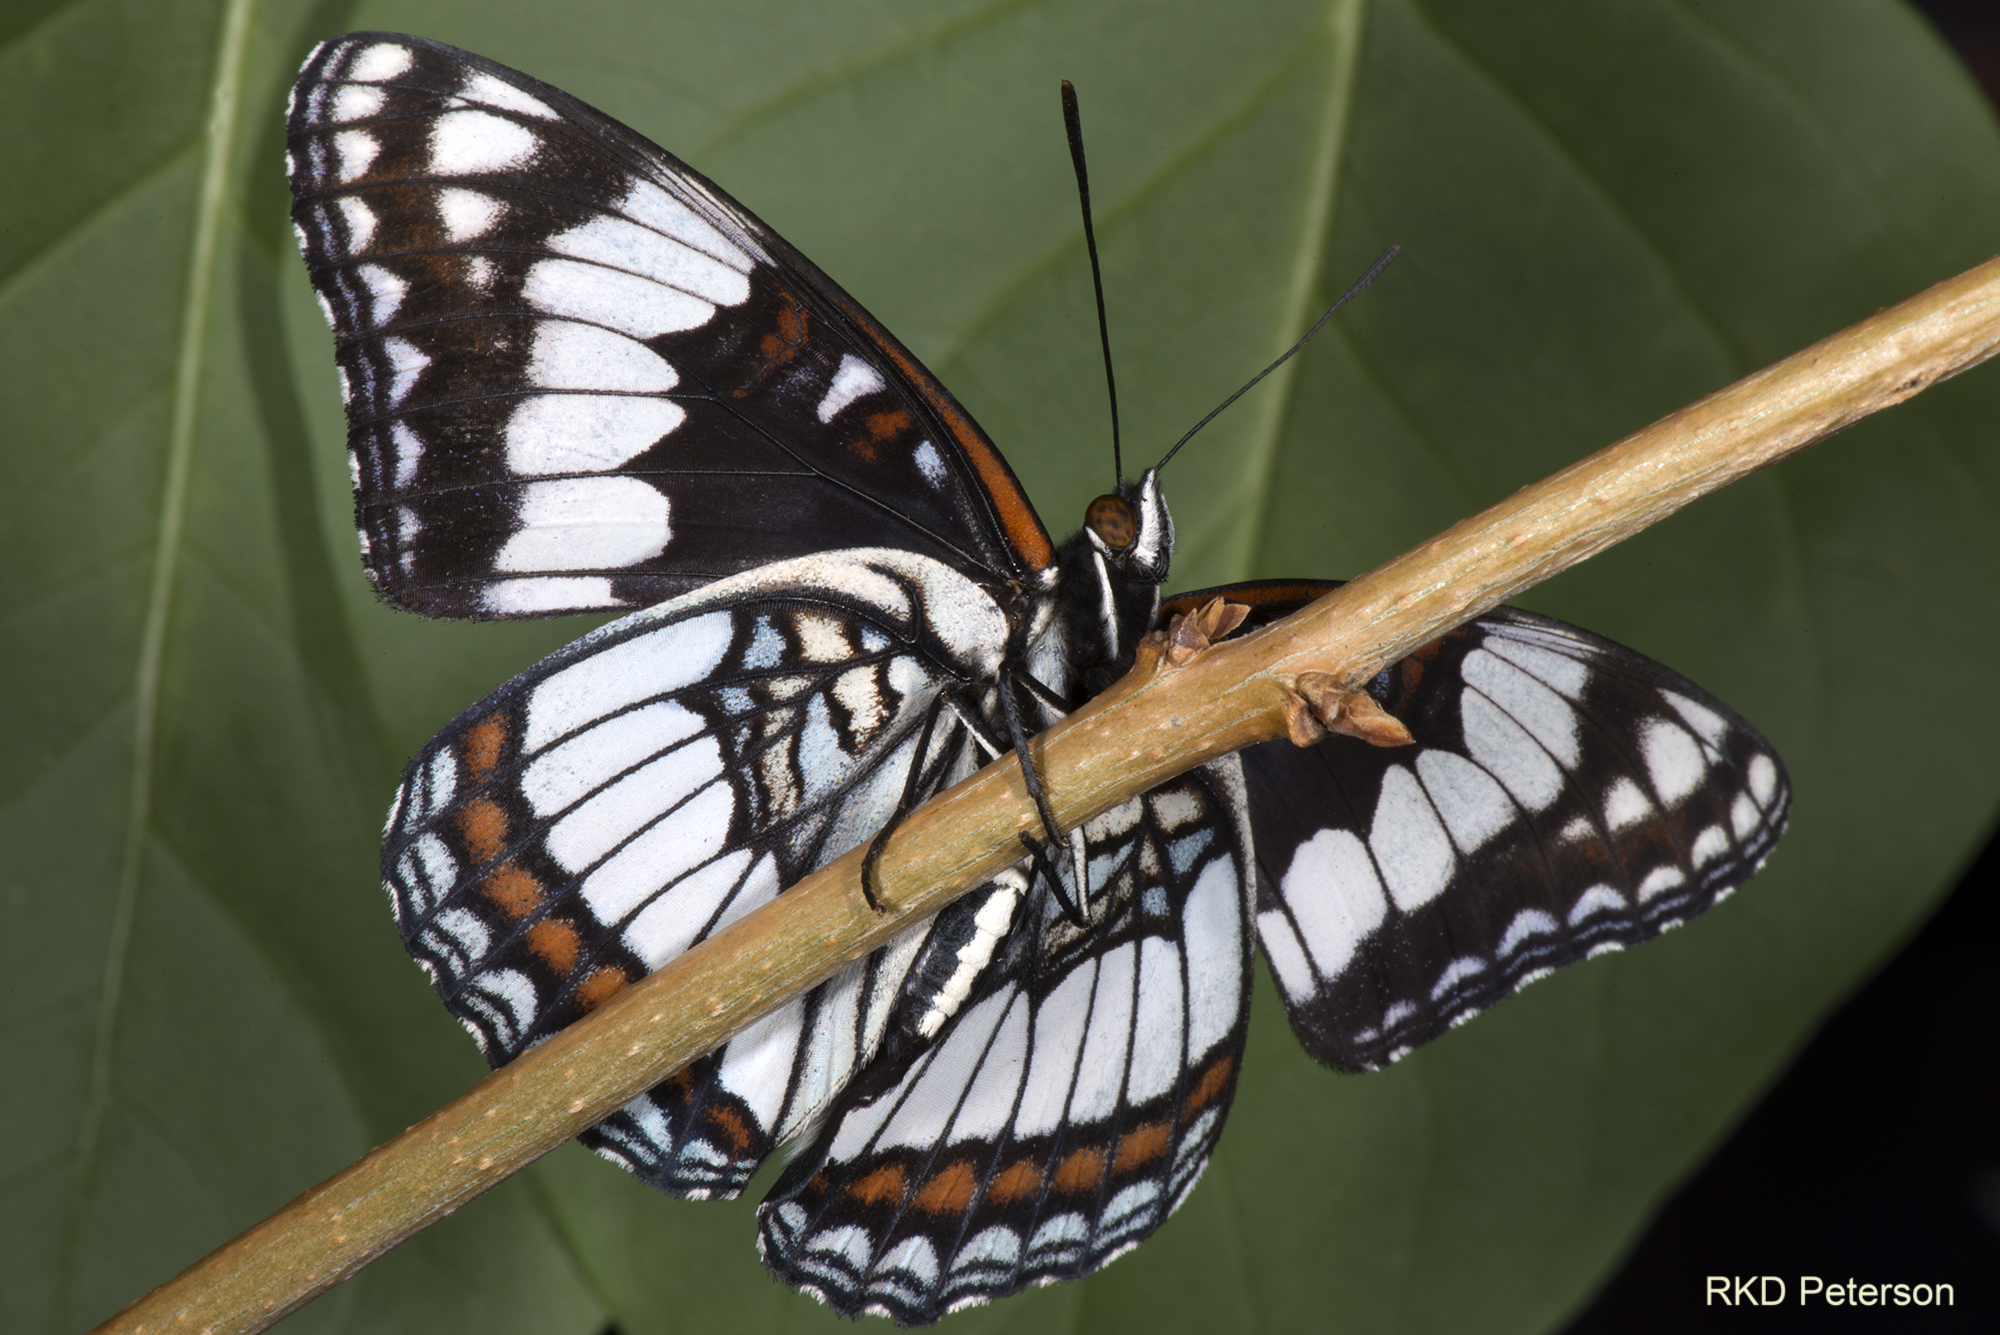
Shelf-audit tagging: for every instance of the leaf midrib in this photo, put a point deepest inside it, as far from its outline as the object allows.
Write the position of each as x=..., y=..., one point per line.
x=210, y=206
x=1260, y=459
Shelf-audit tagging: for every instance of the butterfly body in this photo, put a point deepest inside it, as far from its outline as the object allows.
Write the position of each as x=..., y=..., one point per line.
x=579, y=377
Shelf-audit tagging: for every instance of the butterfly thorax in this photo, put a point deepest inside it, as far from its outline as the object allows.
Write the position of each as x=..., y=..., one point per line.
x=1107, y=589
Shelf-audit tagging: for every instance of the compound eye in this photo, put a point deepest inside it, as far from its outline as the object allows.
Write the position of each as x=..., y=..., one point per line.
x=1112, y=519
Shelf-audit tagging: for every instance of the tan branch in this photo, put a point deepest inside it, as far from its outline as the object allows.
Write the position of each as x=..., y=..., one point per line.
x=1158, y=721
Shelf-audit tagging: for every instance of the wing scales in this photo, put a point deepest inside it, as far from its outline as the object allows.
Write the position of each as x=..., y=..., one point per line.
x=1067, y=1109
x=1565, y=796
x=642, y=789
x=579, y=376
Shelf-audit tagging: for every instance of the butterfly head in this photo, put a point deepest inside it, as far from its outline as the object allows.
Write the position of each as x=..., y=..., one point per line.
x=1132, y=530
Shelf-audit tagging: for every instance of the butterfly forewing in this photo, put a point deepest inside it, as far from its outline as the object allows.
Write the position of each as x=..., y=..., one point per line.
x=579, y=376
x=657, y=780
x=1564, y=796
x=1070, y=1104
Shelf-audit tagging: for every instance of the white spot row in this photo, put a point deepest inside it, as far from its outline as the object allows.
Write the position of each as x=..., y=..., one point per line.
x=505, y=999
x=626, y=672
x=379, y=63
x=1339, y=889
x=585, y=523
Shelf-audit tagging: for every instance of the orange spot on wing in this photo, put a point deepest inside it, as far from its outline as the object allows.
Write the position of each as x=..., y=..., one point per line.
x=484, y=827
x=1017, y=517
x=481, y=747
x=1214, y=1081
x=1411, y=670
x=884, y=1186
x=604, y=983
x=885, y=425
x=1022, y=1179
x=1018, y=521
x=554, y=942
x=1141, y=1147
x=513, y=891
x=792, y=321
x=779, y=346
x=1081, y=1171
x=736, y=1133
x=950, y=1192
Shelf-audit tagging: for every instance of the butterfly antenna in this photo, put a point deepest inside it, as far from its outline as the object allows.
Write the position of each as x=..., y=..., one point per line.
x=1074, y=124
x=1374, y=272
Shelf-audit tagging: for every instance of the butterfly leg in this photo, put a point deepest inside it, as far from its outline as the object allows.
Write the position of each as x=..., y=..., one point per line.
x=1011, y=709
x=1057, y=707
x=1048, y=699
x=912, y=784
x=1047, y=867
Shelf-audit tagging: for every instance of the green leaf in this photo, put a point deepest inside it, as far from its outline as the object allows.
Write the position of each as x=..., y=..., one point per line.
x=1607, y=210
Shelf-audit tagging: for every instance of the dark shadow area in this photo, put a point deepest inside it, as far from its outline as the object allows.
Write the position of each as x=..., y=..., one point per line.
x=1973, y=29
x=1876, y=1158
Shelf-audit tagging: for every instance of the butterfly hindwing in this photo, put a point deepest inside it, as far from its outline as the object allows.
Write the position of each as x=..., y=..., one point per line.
x=639, y=790
x=1564, y=796
x=579, y=376
x=705, y=1130
x=1071, y=1103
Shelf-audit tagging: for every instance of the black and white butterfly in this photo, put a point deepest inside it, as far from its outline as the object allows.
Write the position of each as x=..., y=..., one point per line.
x=580, y=377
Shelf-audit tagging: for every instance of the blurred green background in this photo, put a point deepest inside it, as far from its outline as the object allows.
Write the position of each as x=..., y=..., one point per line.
x=1607, y=209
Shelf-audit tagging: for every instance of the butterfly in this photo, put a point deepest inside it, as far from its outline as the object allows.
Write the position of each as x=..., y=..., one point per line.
x=579, y=377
